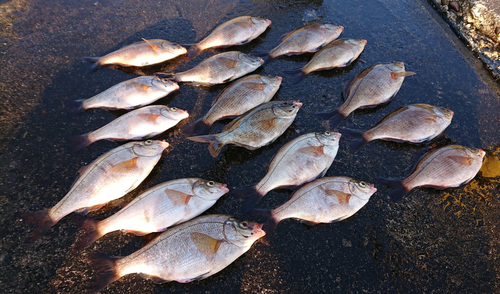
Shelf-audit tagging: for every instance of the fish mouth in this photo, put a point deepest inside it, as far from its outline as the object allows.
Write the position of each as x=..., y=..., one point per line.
x=224, y=188
x=373, y=189
x=364, y=41
x=341, y=28
x=279, y=78
x=337, y=135
x=257, y=230
x=268, y=22
x=482, y=152
x=184, y=113
x=297, y=103
x=163, y=144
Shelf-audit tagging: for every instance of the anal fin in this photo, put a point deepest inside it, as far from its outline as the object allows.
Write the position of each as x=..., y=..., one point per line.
x=155, y=279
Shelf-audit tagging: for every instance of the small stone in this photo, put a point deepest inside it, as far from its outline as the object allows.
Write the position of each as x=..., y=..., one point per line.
x=445, y=2
x=455, y=6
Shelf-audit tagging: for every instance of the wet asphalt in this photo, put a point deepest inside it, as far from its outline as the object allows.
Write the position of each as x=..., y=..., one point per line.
x=430, y=242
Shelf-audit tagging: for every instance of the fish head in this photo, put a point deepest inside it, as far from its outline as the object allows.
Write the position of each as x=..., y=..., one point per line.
x=261, y=21
x=149, y=148
x=361, y=189
x=286, y=108
x=396, y=66
x=333, y=29
x=172, y=48
x=274, y=81
x=328, y=138
x=209, y=190
x=475, y=154
x=242, y=232
x=174, y=113
x=444, y=113
x=250, y=60
x=165, y=84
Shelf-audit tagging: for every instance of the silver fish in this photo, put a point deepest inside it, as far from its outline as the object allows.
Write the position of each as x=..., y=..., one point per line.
x=157, y=209
x=191, y=251
x=308, y=38
x=220, y=69
x=413, y=123
x=258, y=127
x=109, y=177
x=146, y=52
x=142, y=123
x=339, y=53
x=239, y=97
x=237, y=31
x=371, y=87
x=128, y=94
x=445, y=167
x=301, y=160
x=324, y=200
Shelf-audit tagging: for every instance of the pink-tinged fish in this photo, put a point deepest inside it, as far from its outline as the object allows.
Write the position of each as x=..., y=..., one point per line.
x=191, y=251
x=324, y=200
x=157, y=209
x=219, y=69
x=303, y=159
x=339, y=53
x=258, y=127
x=239, y=97
x=109, y=177
x=140, y=124
x=309, y=38
x=237, y=31
x=371, y=87
x=128, y=94
x=146, y=52
x=445, y=167
x=415, y=123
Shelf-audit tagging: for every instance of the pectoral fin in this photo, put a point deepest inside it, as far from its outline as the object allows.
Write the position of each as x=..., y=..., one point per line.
x=205, y=244
x=254, y=86
x=149, y=117
x=430, y=119
x=228, y=63
x=243, y=24
x=124, y=166
x=462, y=160
x=313, y=150
x=343, y=198
x=264, y=125
x=153, y=46
x=178, y=198
x=402, y=74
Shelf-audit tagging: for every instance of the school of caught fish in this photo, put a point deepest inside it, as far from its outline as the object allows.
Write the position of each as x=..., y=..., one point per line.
x=193, y=247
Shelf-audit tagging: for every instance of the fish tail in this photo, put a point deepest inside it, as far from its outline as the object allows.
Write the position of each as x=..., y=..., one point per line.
x=334, y=117
x=105, y=266
x=215, y=145
x=398, y=190
x=250, y=197
x=41, y=221
x=264, y=55
x=95, y=64
x=193, y=51
x=80, y=142
x=297, y=75
x=199, y=127
x=270, y=222
x=358, y=139
x=91, y=233
x=74, y=106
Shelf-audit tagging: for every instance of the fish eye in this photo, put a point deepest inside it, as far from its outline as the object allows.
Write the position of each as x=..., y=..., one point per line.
x=210, y=183
x=362, y=184
x=327, y=133
x=173, y=108
x=148, y=142
x=244, y=225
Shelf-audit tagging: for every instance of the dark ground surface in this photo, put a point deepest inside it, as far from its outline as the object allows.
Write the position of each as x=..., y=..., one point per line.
x=430, y=242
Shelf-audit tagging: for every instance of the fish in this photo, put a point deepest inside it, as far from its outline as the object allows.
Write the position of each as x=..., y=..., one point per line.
x=339, y=53
x=237, y=31
x=373, y=86
x=129, y=94
x=441, y=168
x=415, y=123
x=191, y=251
x=146, y=52
x=158, y=208
x=107, y=178
x=239, y=97
x=308, y=38
x=325, y=200
x=140, y=124
x=258, y=127
x=301, y=160
x=219, y=69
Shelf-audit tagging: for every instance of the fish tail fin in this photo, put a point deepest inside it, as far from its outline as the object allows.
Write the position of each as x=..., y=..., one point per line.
x=334, y=117
x=398, y=190
x=264, y=55
x=105, y=266
x=199, y=127
x=297, y=75
x=358, y=139
x=95, y=64
x=80, y=142
x=270, y=222
x=41, y=221
x=91, y=233
x=74, y=106
x=215, y=145
x=250, y=197
x=193, y=51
